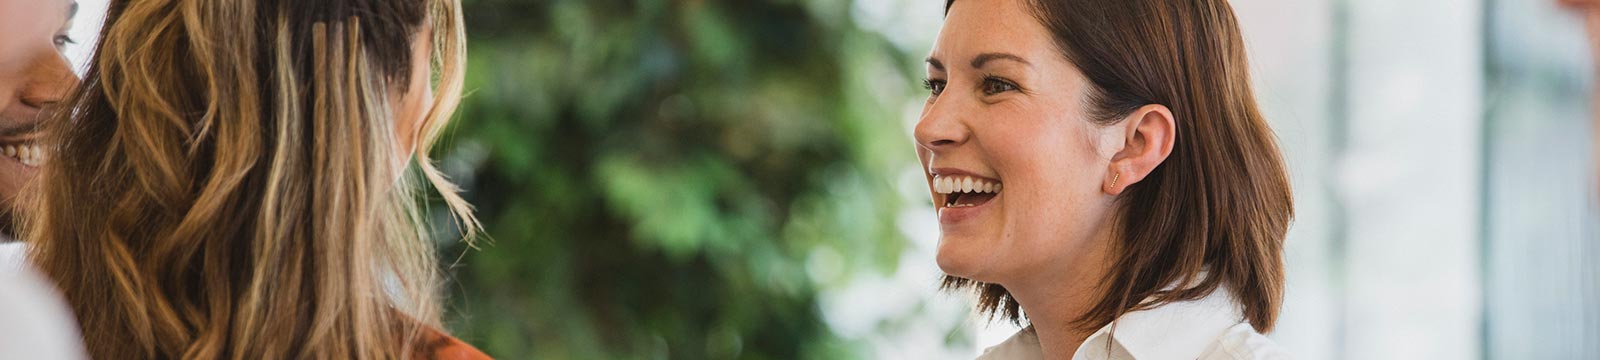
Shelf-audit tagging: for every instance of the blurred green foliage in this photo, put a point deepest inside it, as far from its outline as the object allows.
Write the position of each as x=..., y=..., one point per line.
x=672, y=179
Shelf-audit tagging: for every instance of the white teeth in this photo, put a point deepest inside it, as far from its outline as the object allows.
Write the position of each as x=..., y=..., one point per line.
x=964, y=184
x=27, y=154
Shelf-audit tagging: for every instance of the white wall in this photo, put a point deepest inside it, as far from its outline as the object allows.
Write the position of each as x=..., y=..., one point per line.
x=1379, y=107
x=1542, y=277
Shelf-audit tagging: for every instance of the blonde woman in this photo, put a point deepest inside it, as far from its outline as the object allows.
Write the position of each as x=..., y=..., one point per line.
x=230, y=183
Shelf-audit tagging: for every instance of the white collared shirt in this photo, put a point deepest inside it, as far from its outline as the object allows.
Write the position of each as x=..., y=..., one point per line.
x=1211, y=328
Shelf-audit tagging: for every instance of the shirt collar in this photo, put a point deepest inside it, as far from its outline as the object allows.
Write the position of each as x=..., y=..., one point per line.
x=1177, y=330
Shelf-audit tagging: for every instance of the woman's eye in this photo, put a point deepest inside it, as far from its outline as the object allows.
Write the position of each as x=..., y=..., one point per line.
x=63, y=40
x=994, y=85
x=934, y=87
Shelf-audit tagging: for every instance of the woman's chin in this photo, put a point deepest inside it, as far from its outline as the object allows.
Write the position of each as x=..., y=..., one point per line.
x=961, y=260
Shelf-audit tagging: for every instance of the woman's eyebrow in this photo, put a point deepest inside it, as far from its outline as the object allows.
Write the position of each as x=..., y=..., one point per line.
x=984, y=58
x=934, y=62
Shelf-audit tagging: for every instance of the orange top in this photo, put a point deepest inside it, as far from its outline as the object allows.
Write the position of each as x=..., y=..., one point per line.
x=443, y=347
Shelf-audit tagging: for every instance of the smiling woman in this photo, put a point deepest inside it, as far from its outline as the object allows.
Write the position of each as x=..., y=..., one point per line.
x=33, y=75
x=1101, y=167
x=34, y=322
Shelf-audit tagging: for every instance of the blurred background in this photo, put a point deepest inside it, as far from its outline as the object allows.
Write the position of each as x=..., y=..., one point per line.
x=704, y=179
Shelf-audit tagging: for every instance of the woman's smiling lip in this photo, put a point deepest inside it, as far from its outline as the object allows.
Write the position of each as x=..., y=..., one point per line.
x=954, y=215
x=954, y=172
x=957, y=215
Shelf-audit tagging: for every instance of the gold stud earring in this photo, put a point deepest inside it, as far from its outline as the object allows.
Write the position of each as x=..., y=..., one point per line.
x=1114, y=177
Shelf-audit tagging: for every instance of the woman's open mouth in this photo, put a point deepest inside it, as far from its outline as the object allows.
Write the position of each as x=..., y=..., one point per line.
x=961, y=195
x=965, y=191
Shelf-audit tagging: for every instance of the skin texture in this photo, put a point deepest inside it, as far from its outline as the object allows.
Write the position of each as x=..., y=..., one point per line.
x=33, y=76
x=1021, y=118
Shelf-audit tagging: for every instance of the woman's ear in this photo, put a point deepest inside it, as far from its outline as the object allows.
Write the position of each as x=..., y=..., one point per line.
x=1150, y=133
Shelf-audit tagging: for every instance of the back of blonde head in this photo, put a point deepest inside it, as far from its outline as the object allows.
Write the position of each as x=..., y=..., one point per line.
x=226, y=184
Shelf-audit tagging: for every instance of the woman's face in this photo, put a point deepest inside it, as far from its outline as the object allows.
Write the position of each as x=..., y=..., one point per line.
x=33, y=76
x=1008, y=112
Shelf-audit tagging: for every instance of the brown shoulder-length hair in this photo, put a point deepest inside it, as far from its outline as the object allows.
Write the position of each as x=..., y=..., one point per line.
x=228, y=183
x=1221, y=203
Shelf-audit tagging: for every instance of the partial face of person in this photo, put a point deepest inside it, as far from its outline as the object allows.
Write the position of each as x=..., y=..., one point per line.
x=33, y=76
x=1014, y=163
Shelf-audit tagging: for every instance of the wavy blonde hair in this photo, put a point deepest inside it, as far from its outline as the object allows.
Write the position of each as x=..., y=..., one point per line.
x=225, y=184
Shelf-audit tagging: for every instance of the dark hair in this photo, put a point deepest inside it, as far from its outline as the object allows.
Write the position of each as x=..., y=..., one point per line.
x=1221, y=202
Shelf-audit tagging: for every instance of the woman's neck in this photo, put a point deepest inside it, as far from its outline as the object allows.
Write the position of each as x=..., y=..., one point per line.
x=1055, y=299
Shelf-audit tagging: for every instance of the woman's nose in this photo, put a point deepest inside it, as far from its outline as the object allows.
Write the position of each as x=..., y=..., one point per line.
x=941, y=125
